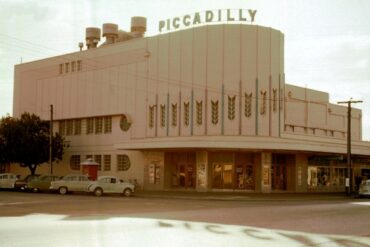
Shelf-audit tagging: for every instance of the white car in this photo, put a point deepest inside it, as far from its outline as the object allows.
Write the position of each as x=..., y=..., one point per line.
x=7, y=180
x=111, y=184
x=364, y=188
x=71, y=183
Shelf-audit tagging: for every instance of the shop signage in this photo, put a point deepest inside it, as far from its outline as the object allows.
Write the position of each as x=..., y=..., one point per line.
x=208, y=16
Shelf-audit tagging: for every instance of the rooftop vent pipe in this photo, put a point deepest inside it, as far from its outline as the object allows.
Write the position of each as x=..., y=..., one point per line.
x=92, y=37
x=110, y=32
x=138, y=26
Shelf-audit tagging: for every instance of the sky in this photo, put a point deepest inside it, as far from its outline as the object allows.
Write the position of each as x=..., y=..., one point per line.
x=327, y=42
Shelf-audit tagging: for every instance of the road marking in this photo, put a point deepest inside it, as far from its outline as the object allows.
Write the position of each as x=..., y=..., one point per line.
x=361, y=203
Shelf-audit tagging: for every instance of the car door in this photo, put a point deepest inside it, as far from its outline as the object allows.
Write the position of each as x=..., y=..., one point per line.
x=83, y=183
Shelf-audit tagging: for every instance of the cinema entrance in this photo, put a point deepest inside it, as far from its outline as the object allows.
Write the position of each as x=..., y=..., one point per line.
x=180, y=170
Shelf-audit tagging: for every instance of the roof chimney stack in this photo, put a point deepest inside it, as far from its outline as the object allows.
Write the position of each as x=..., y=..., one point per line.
x=138, y=26
x=92, y=37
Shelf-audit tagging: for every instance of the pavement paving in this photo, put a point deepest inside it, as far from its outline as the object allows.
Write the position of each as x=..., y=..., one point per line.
x=242, y=196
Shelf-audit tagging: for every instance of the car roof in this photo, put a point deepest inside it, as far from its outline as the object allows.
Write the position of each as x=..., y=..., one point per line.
x=101, y=177
x=8, y=174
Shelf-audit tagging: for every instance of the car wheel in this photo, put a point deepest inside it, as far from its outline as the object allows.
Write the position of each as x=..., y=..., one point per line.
x=127, y=192
x=63, y=190
x=98, y=191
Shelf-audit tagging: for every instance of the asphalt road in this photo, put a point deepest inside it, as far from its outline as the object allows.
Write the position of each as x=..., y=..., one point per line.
x=204, y=222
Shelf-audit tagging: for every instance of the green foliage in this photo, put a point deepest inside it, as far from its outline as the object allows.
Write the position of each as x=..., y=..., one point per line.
x=26, y=141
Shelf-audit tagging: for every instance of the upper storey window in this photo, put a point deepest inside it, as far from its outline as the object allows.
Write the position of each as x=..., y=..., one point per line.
x=68, y=67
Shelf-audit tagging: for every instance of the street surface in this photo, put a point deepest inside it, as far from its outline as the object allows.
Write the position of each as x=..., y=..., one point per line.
x=28, y=219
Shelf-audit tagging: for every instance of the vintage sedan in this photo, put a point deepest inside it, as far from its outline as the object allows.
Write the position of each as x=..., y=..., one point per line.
x=21, y=184
x=7, y=180
x=364, y=190
x=71, y=183
x=42, y=183
x=111, y=184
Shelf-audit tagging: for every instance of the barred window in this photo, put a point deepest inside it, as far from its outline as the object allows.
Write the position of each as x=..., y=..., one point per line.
x=79, y=65
x=89, y=126
x=97, y=159
x=61, y=68
x=74, y=162
x=73, y=66
x=67, y=67
x=98, y=125
x=62, y=128
x=69, y=127
x=107, y=124
x=107, y=161
x=123, y=162
x=77, y=126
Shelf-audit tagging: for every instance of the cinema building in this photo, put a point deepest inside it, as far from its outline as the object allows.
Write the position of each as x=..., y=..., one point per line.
x=205, y=108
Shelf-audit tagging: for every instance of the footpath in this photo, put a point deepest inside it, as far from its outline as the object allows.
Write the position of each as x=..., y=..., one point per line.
x=242, y=196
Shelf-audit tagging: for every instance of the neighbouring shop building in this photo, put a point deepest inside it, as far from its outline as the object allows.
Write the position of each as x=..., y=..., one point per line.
x=205, y=108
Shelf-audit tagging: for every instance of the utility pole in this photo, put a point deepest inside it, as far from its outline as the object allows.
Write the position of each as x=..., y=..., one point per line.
x=349, y=161
x=51, y=140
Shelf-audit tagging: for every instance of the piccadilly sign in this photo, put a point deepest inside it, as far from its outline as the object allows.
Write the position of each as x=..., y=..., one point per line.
x=208, y=16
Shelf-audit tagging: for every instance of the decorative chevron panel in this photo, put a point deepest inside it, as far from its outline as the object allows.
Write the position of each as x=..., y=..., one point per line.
x=263, y=105
x=248, y=105
x=231, y=107
x=174, y=115
x=274, y=100
x=186, y=114
x=214, y=111
x=163, y=115
x=199, y=108
x=151, y=116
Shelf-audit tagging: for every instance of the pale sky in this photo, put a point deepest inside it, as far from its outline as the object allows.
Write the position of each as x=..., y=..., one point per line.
x=327, y=42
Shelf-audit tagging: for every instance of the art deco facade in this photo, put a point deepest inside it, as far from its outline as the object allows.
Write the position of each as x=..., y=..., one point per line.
x=205, y=109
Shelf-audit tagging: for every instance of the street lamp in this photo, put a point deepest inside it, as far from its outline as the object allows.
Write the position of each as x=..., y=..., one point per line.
x=349, y=161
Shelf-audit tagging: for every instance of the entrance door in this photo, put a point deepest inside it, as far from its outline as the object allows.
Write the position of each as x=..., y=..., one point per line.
x=278, y=177
x=222, y=176
x=244, y=177
x=185, y=176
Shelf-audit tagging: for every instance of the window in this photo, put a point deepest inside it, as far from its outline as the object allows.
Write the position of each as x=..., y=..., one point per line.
x=61, y=68
x=62, y=128
x=214, y=112
x=107, y=162
x=74, y=162
x=89, y=126
x=69, y=127
x=123, y=162
x=97, y=159
x=107, y=124
x=98, y=125
x=151, y=116
x=77, y=126
x=73, y=66
x=67, y=67
x=79, y=65
x=125, y=123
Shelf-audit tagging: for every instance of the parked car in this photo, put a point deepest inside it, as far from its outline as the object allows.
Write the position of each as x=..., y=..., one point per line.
x=364, y=188
x=7, y=180
x=71, y=183
x=21, y=184
x=111, y=184
x=42, y=183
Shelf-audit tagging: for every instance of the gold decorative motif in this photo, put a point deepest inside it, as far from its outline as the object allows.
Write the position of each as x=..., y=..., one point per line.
x=231, y=107
x=174, y=115
x=263, y=105
x=274, y=99
x=163, y=115
x=151, y=116
x=199, y=106
x=214, y=111
x=248, y=105
x=125, y=123
x=186, y=114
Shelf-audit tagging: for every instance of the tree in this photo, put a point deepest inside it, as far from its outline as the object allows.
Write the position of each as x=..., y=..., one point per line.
x=26, y=141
